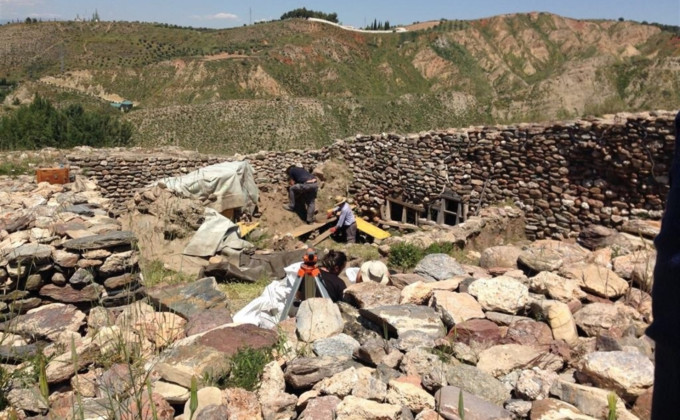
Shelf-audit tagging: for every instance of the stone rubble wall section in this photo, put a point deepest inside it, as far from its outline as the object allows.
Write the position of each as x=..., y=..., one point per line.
x=564, y=176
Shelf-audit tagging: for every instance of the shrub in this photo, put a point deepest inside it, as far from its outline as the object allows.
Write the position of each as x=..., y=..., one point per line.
x=405, y=255
x=247, y=366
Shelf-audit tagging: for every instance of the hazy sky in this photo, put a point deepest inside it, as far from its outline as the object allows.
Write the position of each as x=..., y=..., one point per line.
x=229, y=13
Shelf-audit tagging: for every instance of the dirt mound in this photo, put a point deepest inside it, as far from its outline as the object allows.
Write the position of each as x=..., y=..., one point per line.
x=335, y=178
x=165, y=222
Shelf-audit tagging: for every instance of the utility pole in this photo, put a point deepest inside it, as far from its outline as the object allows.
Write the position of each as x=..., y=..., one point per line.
x=250, y=10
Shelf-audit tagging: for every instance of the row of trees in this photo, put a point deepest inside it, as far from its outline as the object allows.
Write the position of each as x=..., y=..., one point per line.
x=40, y=124
x=304, y=13
x=378, y=26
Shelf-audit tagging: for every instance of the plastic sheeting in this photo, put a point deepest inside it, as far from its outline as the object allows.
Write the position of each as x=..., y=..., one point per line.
x=265, y=310
x=232, y=183
x=214, y=235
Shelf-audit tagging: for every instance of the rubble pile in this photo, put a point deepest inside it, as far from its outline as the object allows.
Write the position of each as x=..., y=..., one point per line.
x=58, y=244
x=545, y=330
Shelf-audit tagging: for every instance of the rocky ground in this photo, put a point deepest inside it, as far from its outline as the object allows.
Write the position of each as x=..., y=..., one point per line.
x=543, y=330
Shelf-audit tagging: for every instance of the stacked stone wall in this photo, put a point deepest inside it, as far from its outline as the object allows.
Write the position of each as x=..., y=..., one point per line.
x=563, y=175
x=121, y=172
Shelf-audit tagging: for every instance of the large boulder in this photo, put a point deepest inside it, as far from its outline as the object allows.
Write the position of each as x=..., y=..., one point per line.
x=303, y=372
x=47, y=321
x=503, y=359
x=596, y=279
x=556, y=287
x=368, y=294
x=477, y=382
x=590, y=400
x=540, y=259
x=439, y=267
x=481, y=331
x=503, y=294
x=475, y=408
x=500, y=256
x=400, y=319
x=353, y=408
x=597, y=318
x=340, y=345
x=207, y=320
x=455, y=307
x=229, y=339
x=629, y=374
x=419, y=292
x=318, y=318
x=406, y=394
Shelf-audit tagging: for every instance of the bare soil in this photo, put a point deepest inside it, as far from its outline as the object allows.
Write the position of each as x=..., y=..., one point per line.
x=277, y=222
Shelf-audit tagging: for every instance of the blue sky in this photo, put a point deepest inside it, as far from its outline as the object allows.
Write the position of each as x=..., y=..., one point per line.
x=229, y=13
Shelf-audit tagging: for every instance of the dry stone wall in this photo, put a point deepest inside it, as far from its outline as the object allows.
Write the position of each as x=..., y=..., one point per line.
x=563, y=175
x=120, y=172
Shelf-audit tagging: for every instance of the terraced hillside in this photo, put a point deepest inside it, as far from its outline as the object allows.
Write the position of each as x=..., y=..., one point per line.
x=298, y=83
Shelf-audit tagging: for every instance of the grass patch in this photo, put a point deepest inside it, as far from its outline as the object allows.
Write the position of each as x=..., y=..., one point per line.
x=240, y=294
x=406, y=256
x=364, y=251
x=10, y=168
x=154, y=273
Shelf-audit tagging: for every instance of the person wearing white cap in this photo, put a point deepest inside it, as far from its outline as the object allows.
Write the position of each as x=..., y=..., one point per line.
x=346, y=227
x=374, y=271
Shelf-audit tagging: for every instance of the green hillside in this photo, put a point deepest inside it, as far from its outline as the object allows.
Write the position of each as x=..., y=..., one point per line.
x=298, y=83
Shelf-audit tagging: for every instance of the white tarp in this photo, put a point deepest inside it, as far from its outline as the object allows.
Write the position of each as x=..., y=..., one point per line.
x=214, y=235
x=232, y=183
x=265, y=310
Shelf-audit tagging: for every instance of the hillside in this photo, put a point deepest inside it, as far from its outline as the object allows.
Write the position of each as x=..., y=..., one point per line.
x=299, y=83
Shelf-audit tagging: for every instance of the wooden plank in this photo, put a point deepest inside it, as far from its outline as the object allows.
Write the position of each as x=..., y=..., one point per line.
x=307, y=229
x=321, y=237
x=407, y=205
x=372, y=230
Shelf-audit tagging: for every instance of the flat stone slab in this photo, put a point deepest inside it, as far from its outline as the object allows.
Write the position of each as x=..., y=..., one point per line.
x=228, y=340
x=69, y=294
x=474, y=407
x=629, y=374
x=439, y=267
x=190, y=299
x=401, y=319
x=35, y=254
x=46, y=321
x=304, y=372
x=207, y=320
x=106, y=240
x=477, y=382
x=178, y=365
x=79, y=209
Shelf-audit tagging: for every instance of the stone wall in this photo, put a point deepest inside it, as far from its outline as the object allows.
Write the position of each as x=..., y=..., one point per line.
x=563, y=175
x=120, y=172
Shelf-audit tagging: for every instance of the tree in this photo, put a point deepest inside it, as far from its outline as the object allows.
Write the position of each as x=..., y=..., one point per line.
x=304, y=13
x=95, y=16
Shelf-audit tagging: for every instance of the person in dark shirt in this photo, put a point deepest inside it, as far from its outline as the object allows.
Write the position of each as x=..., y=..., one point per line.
x=331, y=265
x=302, y=190
x=665, y=328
